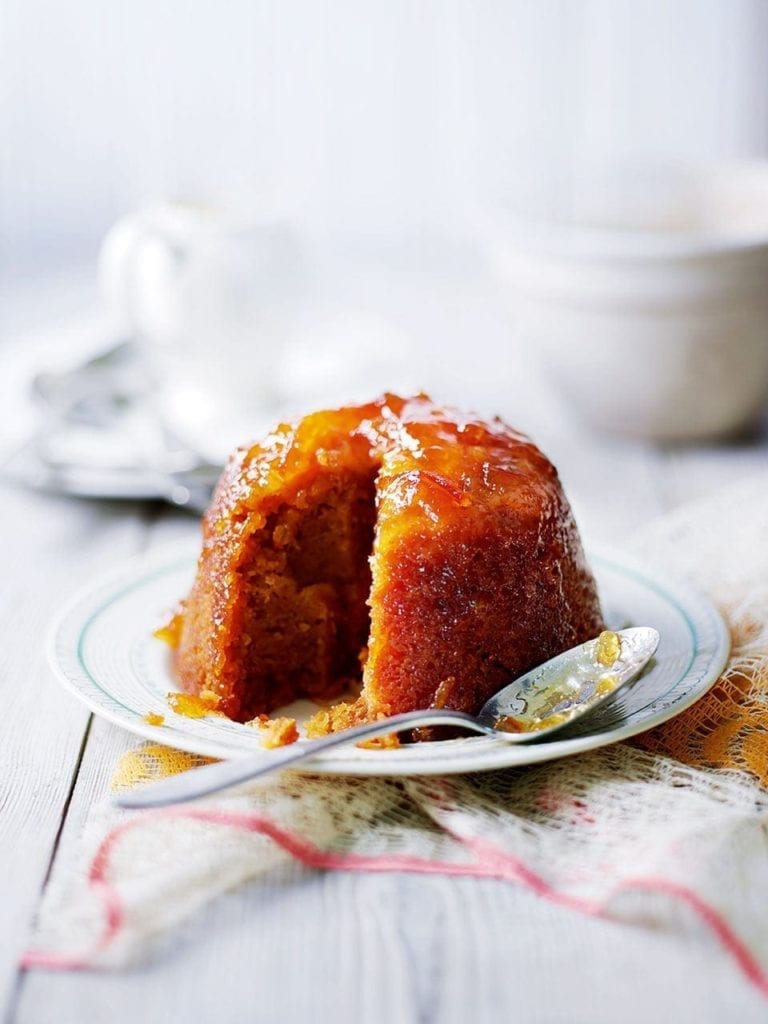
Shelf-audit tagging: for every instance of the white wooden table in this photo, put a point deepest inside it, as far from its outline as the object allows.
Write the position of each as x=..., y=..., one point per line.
x=306, y=945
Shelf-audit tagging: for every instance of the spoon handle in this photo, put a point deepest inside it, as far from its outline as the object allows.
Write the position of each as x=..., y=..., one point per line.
x=211, y=778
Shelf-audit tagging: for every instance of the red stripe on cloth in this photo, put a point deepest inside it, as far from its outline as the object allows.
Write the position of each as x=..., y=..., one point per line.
x=713, y=919
x=708, y=914
x=490, y=862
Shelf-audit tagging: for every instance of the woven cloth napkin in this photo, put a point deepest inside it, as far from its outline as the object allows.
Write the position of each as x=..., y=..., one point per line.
x=669, y=826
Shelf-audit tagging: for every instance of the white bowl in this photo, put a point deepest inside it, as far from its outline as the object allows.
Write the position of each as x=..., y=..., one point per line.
x=649, y=303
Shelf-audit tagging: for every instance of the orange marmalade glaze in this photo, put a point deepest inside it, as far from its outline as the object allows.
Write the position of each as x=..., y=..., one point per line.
x=431, y=460
x=170, y=632
x=608, y=648
x=193, y=705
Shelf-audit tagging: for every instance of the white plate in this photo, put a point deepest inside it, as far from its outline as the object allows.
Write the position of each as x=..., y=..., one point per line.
x=102, y=649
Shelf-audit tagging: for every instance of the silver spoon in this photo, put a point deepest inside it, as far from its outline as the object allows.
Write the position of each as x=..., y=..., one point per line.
x=536, y=705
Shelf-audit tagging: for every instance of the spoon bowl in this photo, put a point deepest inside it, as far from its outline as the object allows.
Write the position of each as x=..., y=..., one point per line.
x=536, y=705
x=551, y=697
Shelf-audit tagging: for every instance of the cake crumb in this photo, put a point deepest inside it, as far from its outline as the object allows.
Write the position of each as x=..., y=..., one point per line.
x=152, y=718
x=319, y=724
x=339, y=716
x=389, y=742
x=275, y=732
x=346, y=715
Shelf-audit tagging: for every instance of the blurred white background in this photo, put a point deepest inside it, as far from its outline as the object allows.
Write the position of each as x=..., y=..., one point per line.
x=382, y=133
x=377, y=120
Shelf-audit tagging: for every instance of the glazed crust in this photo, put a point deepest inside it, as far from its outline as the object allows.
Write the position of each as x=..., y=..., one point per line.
x=476, y=571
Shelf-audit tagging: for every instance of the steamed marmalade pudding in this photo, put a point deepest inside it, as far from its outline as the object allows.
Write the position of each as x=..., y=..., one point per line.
x=428, y=555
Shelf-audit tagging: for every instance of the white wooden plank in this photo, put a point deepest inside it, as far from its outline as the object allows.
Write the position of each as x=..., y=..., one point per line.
x=76, y=541
x=309, y=946
x=49, y=547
